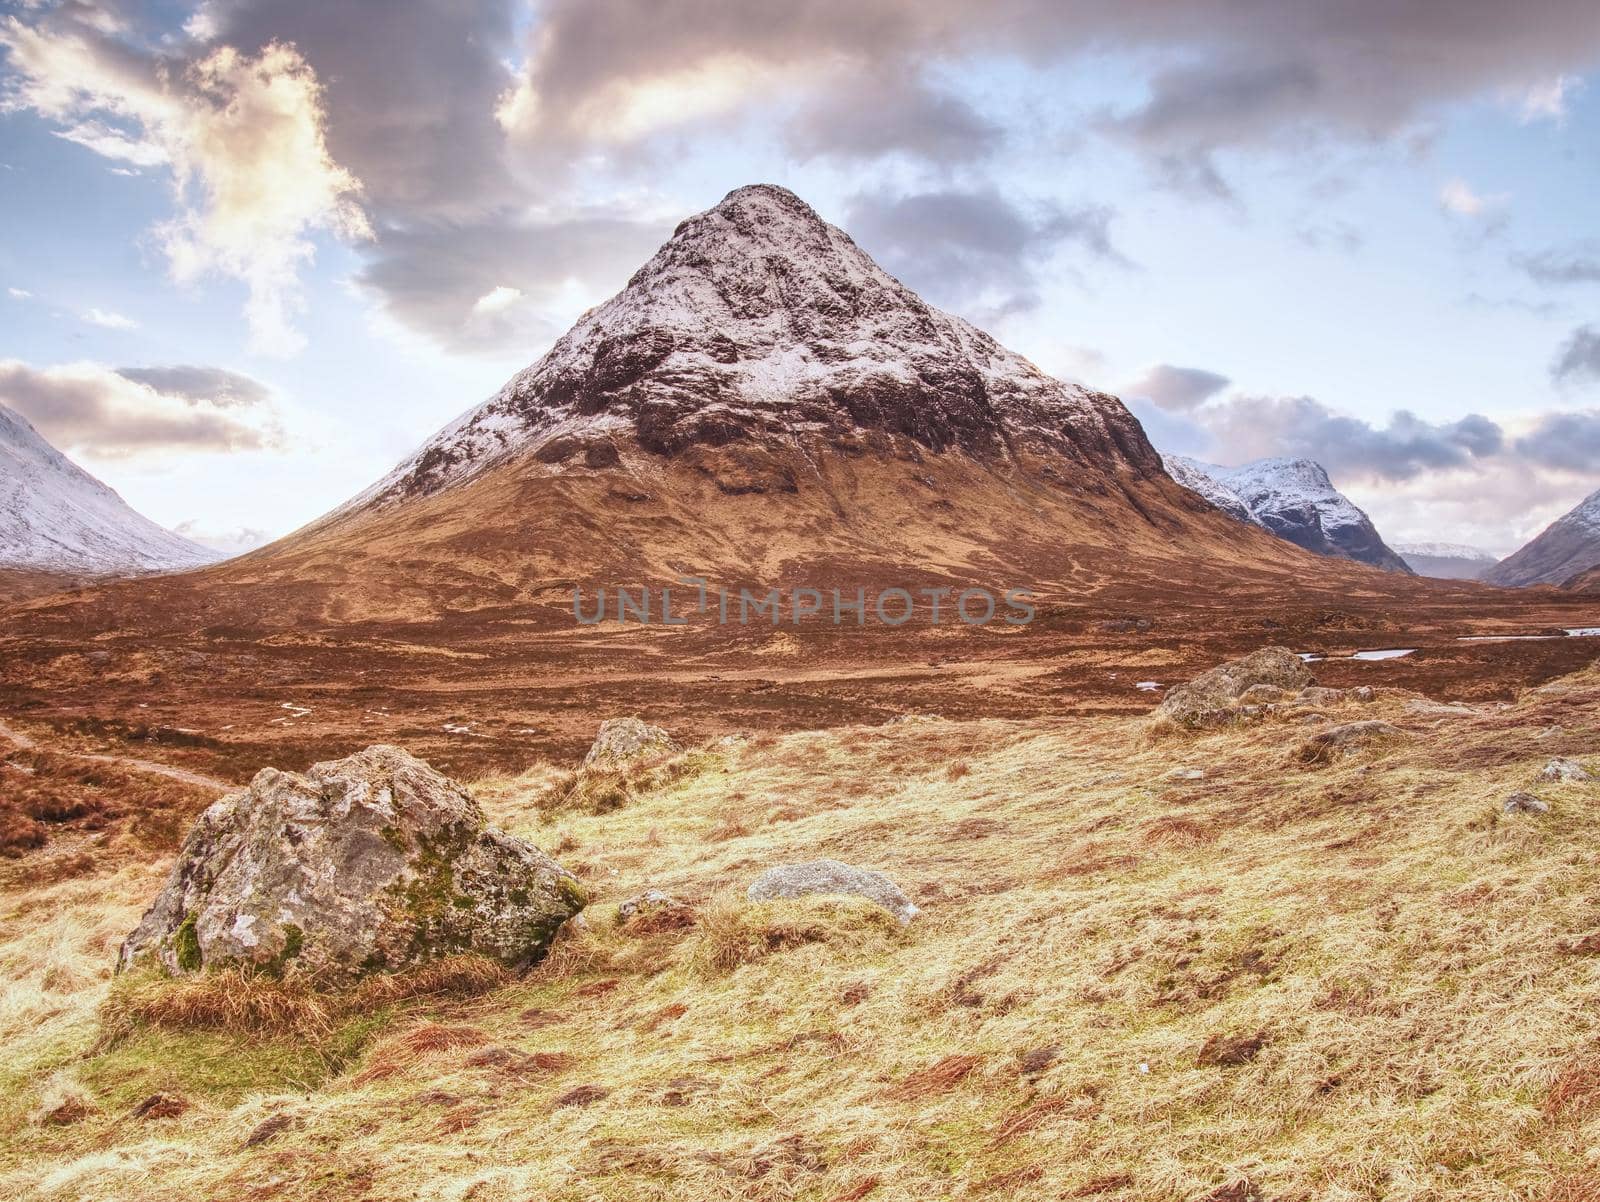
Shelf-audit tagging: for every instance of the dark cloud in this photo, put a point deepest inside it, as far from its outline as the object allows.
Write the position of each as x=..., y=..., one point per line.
x=1564, y=265
x=1220, y=73
x=1245, y=428
x=1352, y=447
x=1569, y=441
x=98, y=411
x=503, y=281
x=974, y=250
x=878, y=116
x=225, y=389
x=1579, y=357
x=1177, y=388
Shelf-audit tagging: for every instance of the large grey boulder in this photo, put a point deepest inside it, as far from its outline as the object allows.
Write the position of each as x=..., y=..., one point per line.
x=1211, y=697
x=623, y=740
x=830, y=878
x=367, y=863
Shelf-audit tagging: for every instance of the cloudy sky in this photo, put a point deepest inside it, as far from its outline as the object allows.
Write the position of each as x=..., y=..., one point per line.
x=253, y=251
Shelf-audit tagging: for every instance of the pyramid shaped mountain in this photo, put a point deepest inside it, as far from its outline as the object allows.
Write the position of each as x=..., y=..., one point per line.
x=762, y=403
x=760, y=323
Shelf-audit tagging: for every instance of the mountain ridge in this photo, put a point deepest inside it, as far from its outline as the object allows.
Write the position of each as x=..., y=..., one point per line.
x=1566, y=548
x=55, y=517
x=1294, y=499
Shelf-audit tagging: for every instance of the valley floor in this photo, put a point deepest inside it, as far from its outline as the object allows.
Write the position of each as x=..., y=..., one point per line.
x=1274, y=980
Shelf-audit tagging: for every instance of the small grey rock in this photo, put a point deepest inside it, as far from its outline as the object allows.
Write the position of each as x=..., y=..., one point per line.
x=1317, y=695
x=1525, y=803
x=1187, y=774
x=1342, y=740
x=657, y=910
x=831, y=878
x=623, y=740
x=1566, y=770
x=1361, y=693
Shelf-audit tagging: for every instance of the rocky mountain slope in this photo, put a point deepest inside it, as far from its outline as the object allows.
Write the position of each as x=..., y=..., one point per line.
x=57, y=518
x=1567, y=547
x=1294, y=499
x=758, y=322
x=1446, y=561
x=761, y=402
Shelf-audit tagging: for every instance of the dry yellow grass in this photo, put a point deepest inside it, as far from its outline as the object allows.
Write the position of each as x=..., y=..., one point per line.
x=1357, y=980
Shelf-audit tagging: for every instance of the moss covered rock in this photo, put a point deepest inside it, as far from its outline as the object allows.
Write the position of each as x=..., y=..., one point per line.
x=367, y=863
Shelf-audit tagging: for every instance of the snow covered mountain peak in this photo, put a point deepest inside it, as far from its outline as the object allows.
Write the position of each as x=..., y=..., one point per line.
x=1294, y=499
x=56, y=517
x=758, y=321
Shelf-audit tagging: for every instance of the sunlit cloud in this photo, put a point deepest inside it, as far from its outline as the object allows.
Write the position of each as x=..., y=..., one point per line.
x=243, y=136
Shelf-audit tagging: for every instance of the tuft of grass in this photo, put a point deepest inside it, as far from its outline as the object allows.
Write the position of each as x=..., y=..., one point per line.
x=732, y=932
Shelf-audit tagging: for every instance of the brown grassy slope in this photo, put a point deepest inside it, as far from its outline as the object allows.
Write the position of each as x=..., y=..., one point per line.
x=446, y=624
x=1356, y=981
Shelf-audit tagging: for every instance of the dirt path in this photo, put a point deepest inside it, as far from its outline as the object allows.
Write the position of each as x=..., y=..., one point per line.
x=199, y=780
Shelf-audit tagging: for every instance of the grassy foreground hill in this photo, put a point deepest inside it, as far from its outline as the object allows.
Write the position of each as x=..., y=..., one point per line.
x=1276, y=980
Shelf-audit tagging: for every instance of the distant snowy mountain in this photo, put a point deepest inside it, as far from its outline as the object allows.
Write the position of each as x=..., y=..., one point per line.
x=55, y=517
x=1567, y=547
x=1446, y=561
x=1294, y=499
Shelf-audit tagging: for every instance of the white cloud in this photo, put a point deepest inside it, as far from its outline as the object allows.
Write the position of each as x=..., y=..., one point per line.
x=1547, y=101
x=93, y=410
x=109, y=320
x=243, y=137
x=1458, y=197
x=497, y=300
x=19, y=294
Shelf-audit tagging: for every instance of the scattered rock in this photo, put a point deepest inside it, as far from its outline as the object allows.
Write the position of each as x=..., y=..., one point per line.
x=1566, y=770
x=1208, y=699
x=161, y=1106
x=371, y=862
x=1362, y=693
x=1187, y=774
x=1317, y=695
x=653, y=911
x=1342, y=740
x=831, y=878
x=1525, y=803
x=1230, y=1051
x=623, y=740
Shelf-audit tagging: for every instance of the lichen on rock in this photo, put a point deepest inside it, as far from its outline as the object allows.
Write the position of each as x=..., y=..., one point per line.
x=372, y=862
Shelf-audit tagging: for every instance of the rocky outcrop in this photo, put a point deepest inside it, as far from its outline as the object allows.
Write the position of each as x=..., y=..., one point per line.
x=372, y=862
x=1214, y=697
x=621, y=741
x=829, y=878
